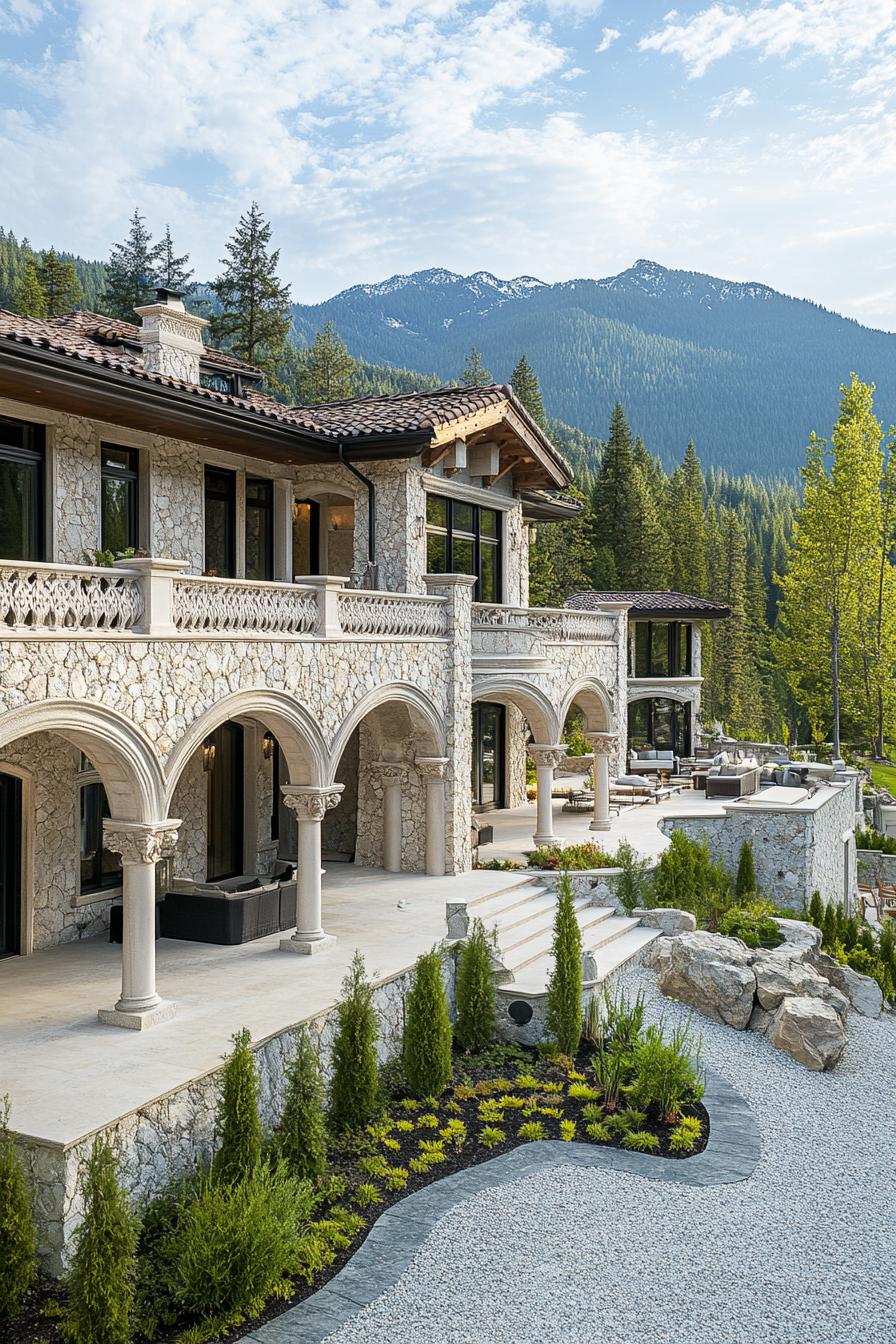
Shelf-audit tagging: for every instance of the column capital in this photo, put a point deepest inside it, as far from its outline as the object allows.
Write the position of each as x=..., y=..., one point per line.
x=547, y=754
x=141, y=842
x=311, y=802
x=391, y=772
x=431, y=767
x=604, y=744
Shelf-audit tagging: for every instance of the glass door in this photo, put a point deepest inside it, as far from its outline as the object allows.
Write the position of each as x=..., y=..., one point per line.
x=223, y=761
x=488, y=755
x=10, y=865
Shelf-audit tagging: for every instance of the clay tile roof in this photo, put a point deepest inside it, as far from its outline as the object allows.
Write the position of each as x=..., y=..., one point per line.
x=402, y=412
x=663, y=604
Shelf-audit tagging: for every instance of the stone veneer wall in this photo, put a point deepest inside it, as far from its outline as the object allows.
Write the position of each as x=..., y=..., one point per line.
x=164, y=1139
x=177, y=503
x=795, y=851
x=517, y=731
x=76, y=487
x=874, y=866
x=190, y=804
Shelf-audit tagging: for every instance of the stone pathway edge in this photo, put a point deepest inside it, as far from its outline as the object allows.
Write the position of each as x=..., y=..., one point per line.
x=731, y=1155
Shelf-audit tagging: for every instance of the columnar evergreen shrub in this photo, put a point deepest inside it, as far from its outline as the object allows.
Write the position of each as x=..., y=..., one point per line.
x=745, y=883
x=302, y=1137
x=816, y=909
x=829, y=926
x=18, y=1242
x=238, y=1122
x=564, y=1002
x=475, y=992
x=354, y=1090
x=427, y=1031
x=632, y=881
x=103, y=1269
x=687, y=878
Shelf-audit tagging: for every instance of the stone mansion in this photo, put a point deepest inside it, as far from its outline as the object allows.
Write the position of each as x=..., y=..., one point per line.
x=318, y=646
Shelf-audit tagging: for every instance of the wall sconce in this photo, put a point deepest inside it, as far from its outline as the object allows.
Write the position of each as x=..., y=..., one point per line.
x=209, y=751
x=267, y=745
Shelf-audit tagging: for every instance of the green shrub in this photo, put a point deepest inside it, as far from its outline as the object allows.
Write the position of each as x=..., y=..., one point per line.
x=829, y=926
x=531, y=1131
x=238, y=1122
x=577, y=743
x=582, y=1092
x=869, y=838
x=564, y=1000
x=302, y=1136
x=233, y=1245
x=367, y=1193
x=667, y=1073
x=685, y=1135
x=597, y=1131
x=18, y=1241
x=816, y=910
x=567, y=1130
x=611, y=1071
x=490, y=1136
x=745, y=887
x=752, y=923
x=869, y=963
x=571, y=858
x=354, y=1090
x=686, y=878
x=631, y=883
x=103, y=1268
x=623, y=1021
x=427, y=1030
x=640, y=1141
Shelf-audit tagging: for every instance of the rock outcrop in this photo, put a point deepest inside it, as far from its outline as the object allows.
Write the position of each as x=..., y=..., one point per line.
x=711, y=973
x=810, y=1031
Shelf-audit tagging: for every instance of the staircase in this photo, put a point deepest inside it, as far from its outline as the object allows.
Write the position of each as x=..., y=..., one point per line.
x=522, y=918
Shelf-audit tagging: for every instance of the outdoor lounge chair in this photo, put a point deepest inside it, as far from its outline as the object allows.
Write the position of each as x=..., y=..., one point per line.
x=238, y=910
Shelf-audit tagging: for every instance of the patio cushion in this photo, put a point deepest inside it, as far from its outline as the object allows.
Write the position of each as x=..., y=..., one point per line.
x=639, y=781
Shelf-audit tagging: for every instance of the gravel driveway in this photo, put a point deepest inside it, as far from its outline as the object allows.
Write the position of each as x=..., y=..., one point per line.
x=804, y=1252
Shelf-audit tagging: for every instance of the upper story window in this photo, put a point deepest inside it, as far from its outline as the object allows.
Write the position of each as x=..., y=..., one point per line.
x=663, y=649
x=220, y=522
x=464, y=538
x=217, y=382
x=259, y=529
x=120, y=484
x=22, y=475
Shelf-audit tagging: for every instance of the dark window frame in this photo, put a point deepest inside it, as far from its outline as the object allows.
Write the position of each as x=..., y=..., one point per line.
x=226, y=496
x=678, y=647
x=651, y=708
x=131, y=476
x=263, y=506
x=481, y=709
x=475, y=535
x=314, y=521
x=34, y=457
x=93, y=794
x=230, y=794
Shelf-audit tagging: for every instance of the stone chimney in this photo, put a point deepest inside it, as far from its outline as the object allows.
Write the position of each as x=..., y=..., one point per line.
x=171, y=337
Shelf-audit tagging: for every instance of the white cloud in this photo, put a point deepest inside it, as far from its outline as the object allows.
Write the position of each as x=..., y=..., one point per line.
x=730, y=102
x=19, y=16
x=608, y=37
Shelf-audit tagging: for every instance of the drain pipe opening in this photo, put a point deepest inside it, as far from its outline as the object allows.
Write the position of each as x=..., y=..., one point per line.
x=371, y=578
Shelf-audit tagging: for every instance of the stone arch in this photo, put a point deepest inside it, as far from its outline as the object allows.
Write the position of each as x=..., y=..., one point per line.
x=300, y=739
x=532, y=703
x=122, y=754
x=399, y=711
x=595, y=702
x=664, y=693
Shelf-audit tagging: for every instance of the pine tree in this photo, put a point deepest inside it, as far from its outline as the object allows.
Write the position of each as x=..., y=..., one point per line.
x=614, y=500
x=255, y=307
x=329, y=369
x=427, y=1030
x=30, y=298
x=563, y=1015
x=101, y=1278
x=354, y=1089
x=562, y=560
x=475, y=992
x=172, y=271
x=475, y=374
x=745, y=883
x=238, y=1122
x=131, y=272
x=527, y=392
x=302, y=1136
x=18, y=1241
x=687, y=534
x=60, y=285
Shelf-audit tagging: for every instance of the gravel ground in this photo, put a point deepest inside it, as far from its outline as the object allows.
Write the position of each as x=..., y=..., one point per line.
x=801, y=1253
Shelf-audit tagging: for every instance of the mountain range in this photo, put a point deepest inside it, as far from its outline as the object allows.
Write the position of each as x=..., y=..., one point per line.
x=743, y=370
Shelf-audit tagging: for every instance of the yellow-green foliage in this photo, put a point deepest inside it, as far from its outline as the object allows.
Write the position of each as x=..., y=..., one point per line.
x=409, y=1104
x=374, y=1165
x=533, y=1129
x=454, y=1133
x=367, y=1193
x=490, y=1136
x=552, y=1087
x=396, y=1178
x=406, y=1126
x=567, y=1130
x=18, y=1241
x=553, y=1111
x=640, y=1141
x=511, y=1103
x=597, y=1132
x=323, y=1241
x=582, y=1092
x=593, y=1112
x=527, y=1081
x=685, y=1135
x=428, y=1121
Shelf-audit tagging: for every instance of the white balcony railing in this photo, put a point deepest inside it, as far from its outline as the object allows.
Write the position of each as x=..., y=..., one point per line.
x=362, y=612
x=69, y=597
x=548, y=623
x=241, y=606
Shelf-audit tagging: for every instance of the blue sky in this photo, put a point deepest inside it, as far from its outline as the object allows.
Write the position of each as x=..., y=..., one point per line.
x=755, y=141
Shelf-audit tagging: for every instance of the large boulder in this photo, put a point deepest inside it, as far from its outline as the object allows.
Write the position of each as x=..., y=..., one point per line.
x=810, y=1031
x=669, y=922
x=862, y=991
x=657, y=953
x=798, y=933
x=781, y=973
x=711, y=973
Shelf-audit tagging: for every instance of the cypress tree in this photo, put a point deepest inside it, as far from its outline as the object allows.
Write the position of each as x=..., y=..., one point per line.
x=745, y=884
x=130, y=272
x=302, y=1137
x=427, y=1031
x=101, y=1278
x=829, y=926
x=329, y=369
x=475, y=992
x=475, y=374
x=60, y=284
x=354, y=1090
x=527, y=391
x=816, y=910
x=238, y=1122
x=255, y=307
x=172, y=271
x=564, y=1003
x=18, y=1241
x=30, y=298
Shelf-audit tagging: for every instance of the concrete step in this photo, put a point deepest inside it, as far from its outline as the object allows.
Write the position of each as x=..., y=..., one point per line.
x=539, y=941
x=609, y=957
x=498, y=904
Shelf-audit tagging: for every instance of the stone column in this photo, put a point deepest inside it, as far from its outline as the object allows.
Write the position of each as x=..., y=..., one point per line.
x=310, y=805
x=432, y=770
x=546, y=759
x=605, y=746
x=457, y=589
x=392, y=774
x=141, y=845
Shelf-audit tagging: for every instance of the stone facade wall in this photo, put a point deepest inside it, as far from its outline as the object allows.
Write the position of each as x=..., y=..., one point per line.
x=795, y=851
x=76, y=487
x=517, y=731
x=177, y=503
x=164, y=1139
x=190, y=804
x=874, y=866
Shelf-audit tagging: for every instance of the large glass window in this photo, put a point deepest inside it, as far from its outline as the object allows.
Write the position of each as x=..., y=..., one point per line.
x=100, y=867
x=21, y=490
x=119, y=501
x=464, y=538
x=488, y=755
x=662, y=649
x=659, y=724
x=220, y=522
x=259, y=529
